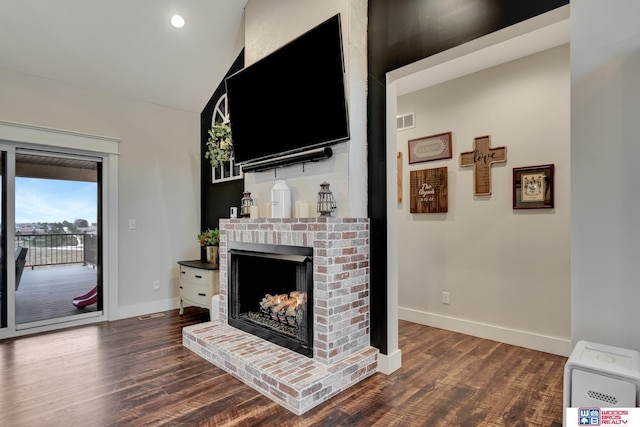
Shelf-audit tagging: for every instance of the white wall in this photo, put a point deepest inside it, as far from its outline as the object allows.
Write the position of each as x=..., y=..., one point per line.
x=269, y=24
x=507, y=271
x=159, y=177
x=605, y=207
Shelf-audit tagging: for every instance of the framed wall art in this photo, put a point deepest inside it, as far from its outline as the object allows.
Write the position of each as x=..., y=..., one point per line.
x=429, y=191
x=399, y=176
x=481, y=159
x=533, y=187
x=428, y=148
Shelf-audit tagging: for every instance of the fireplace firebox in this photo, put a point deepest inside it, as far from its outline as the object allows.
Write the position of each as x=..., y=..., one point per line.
x=271, y=293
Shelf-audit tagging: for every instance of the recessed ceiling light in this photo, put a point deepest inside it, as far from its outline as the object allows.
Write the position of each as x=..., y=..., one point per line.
x=177, y=21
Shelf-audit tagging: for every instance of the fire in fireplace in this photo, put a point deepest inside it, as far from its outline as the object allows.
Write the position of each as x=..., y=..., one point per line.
x=271, y=293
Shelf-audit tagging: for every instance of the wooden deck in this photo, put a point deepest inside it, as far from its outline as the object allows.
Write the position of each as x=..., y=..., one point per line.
x=47, y=293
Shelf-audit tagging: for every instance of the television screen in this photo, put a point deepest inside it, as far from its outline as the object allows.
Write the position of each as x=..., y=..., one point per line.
x=292, y=100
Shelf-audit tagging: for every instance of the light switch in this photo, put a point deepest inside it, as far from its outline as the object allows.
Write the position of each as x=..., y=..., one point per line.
x=132, y=224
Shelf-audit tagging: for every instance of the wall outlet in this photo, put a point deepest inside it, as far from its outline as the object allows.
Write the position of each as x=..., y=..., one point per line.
x=156, y=285
x=445, y=297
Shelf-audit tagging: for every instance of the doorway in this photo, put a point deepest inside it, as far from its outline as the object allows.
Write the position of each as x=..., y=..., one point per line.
x=57, y=238
x=17, y=139
x=426, y=289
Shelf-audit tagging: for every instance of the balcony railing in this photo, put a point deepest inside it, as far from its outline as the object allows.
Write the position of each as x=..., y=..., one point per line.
x=57, y=249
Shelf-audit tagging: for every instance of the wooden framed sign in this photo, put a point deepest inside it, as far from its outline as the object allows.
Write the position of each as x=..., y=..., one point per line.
x=399, y=176
x=481, y=159
x=429, y=191
x=428, y=148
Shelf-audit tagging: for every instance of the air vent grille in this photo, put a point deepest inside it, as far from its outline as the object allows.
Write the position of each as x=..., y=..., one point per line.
x=150, y=316
x=405, y=121
x=611, y=400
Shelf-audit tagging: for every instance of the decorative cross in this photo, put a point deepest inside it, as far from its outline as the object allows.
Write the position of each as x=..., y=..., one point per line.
x=481, y=158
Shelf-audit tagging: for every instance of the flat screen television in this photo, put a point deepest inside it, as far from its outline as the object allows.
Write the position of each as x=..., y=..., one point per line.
x=292, y=100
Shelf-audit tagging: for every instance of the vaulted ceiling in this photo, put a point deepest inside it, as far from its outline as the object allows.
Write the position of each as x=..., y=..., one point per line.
x=125, y=47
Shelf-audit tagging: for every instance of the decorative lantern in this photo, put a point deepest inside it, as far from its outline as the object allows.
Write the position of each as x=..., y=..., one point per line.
x=245, y=204
x=326, y=202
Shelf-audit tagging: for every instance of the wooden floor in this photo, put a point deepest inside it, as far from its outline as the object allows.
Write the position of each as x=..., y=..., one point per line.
x=47, y=292
x=136, y=372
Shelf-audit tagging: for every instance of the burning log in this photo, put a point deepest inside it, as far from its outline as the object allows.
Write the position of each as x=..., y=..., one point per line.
x=284, y=304
x=283, y=307
x=299, y=298
x=271, y=300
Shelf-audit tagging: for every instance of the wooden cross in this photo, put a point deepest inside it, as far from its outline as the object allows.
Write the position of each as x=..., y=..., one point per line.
x=481, y=158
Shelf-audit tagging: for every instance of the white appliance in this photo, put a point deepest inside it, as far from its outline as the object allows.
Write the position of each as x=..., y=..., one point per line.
x=598, y=375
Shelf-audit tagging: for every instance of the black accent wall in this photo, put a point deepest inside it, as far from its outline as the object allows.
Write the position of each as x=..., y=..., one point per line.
x=216, y=198
x=402, y=32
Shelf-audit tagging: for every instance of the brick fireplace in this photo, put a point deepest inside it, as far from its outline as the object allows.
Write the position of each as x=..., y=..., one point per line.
x=341, y=356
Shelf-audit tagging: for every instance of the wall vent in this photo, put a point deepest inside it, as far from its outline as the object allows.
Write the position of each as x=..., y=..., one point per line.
x=405, y=121
x=150, y=316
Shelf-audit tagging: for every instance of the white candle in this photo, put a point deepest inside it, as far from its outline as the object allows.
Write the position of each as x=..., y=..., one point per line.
x=268, y=210
x=254, y=212
x=304, y=210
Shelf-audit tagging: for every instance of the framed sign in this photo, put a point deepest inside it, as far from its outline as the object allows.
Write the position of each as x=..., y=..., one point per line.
x=399, y=176
x=533, y=187
x=429, y=191
x=481, y=159
x=428, y=148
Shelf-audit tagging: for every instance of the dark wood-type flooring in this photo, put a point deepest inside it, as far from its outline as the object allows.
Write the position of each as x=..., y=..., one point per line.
x=136, y=372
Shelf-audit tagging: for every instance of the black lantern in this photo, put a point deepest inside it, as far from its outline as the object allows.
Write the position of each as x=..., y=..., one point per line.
x=326, y=202
x=245, y=204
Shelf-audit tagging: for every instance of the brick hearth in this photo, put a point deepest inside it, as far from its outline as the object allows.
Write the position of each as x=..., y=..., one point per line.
x=342, y=353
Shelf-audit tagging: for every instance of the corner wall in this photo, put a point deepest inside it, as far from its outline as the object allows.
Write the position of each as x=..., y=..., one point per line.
x=507, y=271
x=605, y=207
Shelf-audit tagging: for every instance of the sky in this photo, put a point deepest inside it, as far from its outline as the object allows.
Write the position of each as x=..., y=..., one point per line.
x=50, y=200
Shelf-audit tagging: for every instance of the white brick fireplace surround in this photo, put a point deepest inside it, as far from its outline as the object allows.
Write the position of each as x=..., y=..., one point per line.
x=342, y=355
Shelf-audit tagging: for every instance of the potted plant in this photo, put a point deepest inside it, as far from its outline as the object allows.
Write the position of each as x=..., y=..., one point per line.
x=219, y=145
x=209, y=242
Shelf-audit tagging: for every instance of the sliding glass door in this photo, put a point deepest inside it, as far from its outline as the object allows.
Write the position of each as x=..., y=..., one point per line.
x=50, y=238
x=57, y=238
x=55, y=250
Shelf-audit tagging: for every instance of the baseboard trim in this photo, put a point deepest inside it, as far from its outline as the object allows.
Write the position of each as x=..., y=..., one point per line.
x=389, y=363
x=127, y=311
x=548, y=344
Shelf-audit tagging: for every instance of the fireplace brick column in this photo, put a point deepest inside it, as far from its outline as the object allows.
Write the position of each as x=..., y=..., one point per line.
x=341, y=275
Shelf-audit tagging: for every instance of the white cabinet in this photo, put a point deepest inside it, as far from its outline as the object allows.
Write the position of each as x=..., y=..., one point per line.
x=198, y=283
x=599, y=375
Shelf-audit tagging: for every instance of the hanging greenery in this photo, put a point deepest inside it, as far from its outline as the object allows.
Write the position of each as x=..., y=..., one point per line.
x=219, y=144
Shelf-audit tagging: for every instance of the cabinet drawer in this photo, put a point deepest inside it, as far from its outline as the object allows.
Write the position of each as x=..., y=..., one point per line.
x=196, y=275
x=197, y=294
